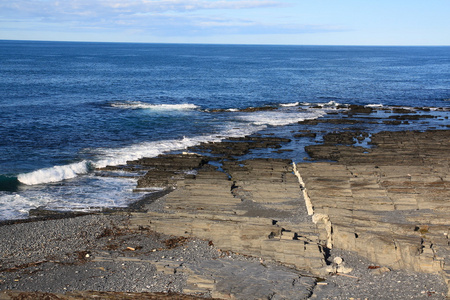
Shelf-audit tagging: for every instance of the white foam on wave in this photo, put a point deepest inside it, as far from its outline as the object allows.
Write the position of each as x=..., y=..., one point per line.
x=374, y=105
x=84, y=194
x=330, y=104
x=15, y=206
x=54, y=174
x=290, y=104
x=119, y=156
x=280, y=118
x=143, y=105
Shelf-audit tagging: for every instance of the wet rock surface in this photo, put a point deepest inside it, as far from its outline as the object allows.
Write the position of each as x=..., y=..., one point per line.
x=235, y=147
x=404, y=147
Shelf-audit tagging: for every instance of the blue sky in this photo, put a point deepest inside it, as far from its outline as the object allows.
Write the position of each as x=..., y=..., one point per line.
x=301, y=22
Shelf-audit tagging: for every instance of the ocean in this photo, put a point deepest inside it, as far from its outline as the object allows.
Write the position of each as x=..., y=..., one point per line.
x=67, y=108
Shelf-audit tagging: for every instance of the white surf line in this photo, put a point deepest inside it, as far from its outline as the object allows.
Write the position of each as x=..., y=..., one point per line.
x=316, y=217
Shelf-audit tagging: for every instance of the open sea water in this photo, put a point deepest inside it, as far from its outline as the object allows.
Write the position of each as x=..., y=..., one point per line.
x=67, y=108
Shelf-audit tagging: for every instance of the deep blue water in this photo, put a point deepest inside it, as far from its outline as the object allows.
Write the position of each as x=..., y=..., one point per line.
x=75, y=106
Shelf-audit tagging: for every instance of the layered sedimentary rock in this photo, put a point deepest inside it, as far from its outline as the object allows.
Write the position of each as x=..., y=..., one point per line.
x=165, y=170
x=398, y=148
x=389, y=203
x=248, y=208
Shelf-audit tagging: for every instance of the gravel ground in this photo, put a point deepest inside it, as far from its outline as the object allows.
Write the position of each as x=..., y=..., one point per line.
x=92, y=253
x=32, y=242
x=95, y=252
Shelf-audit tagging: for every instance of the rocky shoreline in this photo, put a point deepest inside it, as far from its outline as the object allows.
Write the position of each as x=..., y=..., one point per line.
x=363, y=215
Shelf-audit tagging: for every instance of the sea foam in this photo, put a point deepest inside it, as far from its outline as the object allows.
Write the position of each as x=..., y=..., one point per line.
x=280, y=118
x=143, y=105
x=87, y=193
x=330, y=104
x=119, y=156
x=290, y=104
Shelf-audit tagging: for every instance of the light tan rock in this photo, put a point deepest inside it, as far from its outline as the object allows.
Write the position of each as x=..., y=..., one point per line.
x=390, y=205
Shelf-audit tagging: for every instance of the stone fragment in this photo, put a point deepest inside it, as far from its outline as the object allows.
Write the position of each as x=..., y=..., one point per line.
x=338, y=260
x=379, y=271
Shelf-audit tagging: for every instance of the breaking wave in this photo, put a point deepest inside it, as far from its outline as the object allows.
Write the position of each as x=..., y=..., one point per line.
x=374, y=105
x=55, y=174
x=114, y=157
x=119, y=156
x=330, y=104
x=290, y=104
x=280, y=118
x=8, y=183
x=143, y=105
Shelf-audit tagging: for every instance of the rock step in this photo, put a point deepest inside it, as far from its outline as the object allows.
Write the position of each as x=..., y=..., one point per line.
x=211, y=206
x=243, y=236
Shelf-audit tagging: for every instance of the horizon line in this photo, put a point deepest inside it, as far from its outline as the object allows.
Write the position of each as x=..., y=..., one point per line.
x=223, y=44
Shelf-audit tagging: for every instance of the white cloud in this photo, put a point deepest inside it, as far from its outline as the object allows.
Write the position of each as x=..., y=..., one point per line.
x=162, y=18
x=129, y=13
x=109, y=7
x=184, y=5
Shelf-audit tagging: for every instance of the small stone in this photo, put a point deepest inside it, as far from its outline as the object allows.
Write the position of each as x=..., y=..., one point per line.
x=331, y=269
x=338, y=260
x=343, y=269
x=381, y=270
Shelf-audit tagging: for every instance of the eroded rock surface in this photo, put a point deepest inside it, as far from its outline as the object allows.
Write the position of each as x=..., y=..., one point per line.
x=389, y=203
x=252, y=207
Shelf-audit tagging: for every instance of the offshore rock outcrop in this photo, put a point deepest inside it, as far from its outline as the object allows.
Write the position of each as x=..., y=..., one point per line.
x=235, y=147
